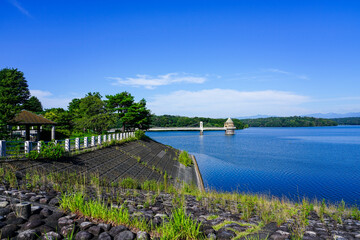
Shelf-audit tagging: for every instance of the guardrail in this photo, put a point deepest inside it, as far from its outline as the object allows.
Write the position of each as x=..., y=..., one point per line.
x=19, y=149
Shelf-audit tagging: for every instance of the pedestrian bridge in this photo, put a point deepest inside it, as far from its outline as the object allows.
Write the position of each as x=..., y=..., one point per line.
x=159, y=129
x=229, y=128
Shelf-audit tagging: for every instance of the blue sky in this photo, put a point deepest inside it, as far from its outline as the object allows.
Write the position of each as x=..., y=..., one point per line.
x=192, y=58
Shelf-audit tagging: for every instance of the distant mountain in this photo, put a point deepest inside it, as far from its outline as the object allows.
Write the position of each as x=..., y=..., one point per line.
x=256, y=116
x=315, y=115
x=333, y=115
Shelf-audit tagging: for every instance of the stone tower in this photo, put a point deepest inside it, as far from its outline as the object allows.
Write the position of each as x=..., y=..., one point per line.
x=229, y=127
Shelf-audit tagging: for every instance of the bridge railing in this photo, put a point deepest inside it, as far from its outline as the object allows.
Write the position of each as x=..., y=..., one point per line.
x=19, y=149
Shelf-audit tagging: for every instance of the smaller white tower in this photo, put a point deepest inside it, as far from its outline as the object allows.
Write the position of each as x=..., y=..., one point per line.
x=201, y=128
x=229, y=127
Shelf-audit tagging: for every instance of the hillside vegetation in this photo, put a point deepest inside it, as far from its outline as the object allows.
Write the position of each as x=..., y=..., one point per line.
x=289, y=122
x=347, y=121
x=178, y=121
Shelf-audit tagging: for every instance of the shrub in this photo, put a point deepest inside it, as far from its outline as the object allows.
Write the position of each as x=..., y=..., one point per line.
x=185, y=159
x=52, y=151
x=139, y=134
x=33, y=155
x=129, y=183
x=150, y=185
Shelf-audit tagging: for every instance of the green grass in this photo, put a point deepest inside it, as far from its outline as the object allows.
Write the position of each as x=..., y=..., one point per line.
x=185, y=159
x=130, y=183
x=180, y=226
x=212, y=217
x=95, y=209
x=266, y=207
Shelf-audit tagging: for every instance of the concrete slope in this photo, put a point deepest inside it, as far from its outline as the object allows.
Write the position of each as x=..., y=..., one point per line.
x=142, y=160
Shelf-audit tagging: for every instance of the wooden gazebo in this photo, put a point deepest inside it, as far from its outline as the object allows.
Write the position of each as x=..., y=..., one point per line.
x=29, y=119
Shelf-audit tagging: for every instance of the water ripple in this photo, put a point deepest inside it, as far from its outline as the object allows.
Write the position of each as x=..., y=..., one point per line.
x=293, y=162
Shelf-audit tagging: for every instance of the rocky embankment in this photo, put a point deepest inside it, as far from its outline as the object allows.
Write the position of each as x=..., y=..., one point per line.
x=27, y=215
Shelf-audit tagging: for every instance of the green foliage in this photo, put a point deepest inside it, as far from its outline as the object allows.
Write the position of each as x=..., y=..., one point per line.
x=129, y=183
x=347, y=121
x=33, y=155
x=339, y=213
x=178, y=121
x=91, y=114
x=119, y=102
x=129, y=114
x=322, y=210
x=94, y=209
x=138, y=116
x=64, y=119
x=355, y=213
x=50, y=151
x=140, y=135
x=180, y=226
x=96, y=123
x=151, y=185
x=247, y=206
x=288, y=122
x=185, y=159
x=14, y=93
x=33, y=105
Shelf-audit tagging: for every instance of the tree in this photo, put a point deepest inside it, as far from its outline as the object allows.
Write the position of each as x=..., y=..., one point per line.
x=137, y=116
x=92, y=114
x=33, y=105
x=97, y=123
x=91, y=105
x=73, y=107
x=14, y=93
x=120, y=103
x=61, y=117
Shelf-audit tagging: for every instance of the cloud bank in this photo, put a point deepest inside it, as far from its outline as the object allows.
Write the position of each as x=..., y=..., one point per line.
x=275, y=70
x=48, y=100
x=151, y=82
x=228, y=103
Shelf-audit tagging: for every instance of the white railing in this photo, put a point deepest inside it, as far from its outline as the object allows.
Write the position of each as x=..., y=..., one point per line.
x=13, y=149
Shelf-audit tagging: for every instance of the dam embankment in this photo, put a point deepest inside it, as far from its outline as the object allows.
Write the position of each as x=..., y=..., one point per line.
x=141, y=160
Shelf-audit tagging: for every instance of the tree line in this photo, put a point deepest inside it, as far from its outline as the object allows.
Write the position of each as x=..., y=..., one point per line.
x=90, y=114
x=347, y=121
x=179, y=121
x=295, y=121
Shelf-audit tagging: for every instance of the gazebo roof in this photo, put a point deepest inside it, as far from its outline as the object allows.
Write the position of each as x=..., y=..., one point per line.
x=28, y=118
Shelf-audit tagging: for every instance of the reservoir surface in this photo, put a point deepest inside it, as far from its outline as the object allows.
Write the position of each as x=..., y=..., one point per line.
x=316, y=162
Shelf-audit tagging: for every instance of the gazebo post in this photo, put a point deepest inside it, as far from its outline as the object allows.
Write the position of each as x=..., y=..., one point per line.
x=53, y=132
x=38, y=133
x=27, y=132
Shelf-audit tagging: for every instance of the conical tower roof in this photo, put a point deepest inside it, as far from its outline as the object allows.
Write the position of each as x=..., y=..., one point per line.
x=229, y=123
x=229, y=120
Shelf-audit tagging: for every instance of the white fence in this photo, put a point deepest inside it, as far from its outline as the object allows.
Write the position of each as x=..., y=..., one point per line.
x=14, y=149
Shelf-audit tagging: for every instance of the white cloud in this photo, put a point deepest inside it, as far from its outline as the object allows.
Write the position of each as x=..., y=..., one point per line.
x=229, y=103
x=40, y=93
x=16, y=4
x=151, y=82
x=275, y=70
x=48, y=100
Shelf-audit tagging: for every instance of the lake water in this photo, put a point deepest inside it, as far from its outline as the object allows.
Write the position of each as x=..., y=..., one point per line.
x=317, y=162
